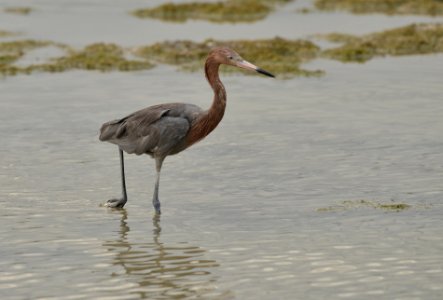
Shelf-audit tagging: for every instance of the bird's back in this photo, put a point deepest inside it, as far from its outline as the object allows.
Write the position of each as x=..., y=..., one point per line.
x=155, y=130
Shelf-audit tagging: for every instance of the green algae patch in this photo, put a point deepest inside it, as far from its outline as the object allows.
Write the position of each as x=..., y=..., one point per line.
x=100, y=56
x=394, y=206
x=390, y=7
x=12, y=51
x=230, y=11
x=18, y=10
x=4, y=33
x=304, y=10
x=357, y=204
x=338, y=37
x=280, y=56
x=21, y=45
x=408, y=40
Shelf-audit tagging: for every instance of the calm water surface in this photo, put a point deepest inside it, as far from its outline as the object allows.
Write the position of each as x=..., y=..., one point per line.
x=83, y=22
x=243, y=211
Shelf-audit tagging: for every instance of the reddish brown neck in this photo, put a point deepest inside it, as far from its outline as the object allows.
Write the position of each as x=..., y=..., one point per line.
x=210, y=118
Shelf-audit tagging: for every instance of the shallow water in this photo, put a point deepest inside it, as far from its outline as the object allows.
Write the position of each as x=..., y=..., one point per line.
x=79, y=23
x=241, y=215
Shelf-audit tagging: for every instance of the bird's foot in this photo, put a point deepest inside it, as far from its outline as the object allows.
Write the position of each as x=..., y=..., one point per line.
x=115, y=203
x=157, y=207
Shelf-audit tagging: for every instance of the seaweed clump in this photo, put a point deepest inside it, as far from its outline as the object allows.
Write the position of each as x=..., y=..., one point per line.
x=281, y=56
x=231, y=11
x=353, y=204
x=100, y=56
x=18, y=10
x=278, y=55
x=12, y=51
x=390, y=7
x=408, y=40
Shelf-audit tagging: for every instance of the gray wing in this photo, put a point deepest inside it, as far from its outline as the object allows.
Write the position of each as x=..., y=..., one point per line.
x=159, y=129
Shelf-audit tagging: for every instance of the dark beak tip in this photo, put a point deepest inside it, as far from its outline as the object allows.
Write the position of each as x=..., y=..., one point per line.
x=264, y=72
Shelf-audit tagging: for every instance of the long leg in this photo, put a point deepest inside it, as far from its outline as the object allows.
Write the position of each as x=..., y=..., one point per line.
x=155, y=200
x=122, y=171
x=119, y=203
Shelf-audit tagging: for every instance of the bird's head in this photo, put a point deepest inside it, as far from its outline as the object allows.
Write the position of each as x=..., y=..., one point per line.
x=228, y=56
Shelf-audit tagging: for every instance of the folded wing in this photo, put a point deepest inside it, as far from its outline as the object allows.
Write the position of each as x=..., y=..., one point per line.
x=156, y=130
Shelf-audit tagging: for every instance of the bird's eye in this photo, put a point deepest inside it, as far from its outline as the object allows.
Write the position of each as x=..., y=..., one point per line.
x=231, y=57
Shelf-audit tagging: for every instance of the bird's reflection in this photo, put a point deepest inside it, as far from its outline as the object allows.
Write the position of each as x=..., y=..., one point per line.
x=161, y=270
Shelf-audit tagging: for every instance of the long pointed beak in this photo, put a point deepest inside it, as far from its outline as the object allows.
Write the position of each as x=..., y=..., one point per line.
x=248, y=66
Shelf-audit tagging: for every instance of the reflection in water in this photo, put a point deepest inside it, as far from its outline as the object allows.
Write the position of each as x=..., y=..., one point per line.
x=162, y=271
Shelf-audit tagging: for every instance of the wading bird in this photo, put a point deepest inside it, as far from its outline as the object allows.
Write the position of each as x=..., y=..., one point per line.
x=170, y=128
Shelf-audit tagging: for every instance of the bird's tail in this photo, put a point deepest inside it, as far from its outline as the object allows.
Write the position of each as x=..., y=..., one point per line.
x=111, y=130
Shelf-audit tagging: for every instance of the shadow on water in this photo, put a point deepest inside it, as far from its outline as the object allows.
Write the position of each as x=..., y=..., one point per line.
x=162, y=271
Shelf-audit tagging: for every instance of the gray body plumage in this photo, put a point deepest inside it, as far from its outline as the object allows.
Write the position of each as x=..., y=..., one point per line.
x=158, y=130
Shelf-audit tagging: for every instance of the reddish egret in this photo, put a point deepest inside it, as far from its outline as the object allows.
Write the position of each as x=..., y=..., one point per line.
x=168, y=129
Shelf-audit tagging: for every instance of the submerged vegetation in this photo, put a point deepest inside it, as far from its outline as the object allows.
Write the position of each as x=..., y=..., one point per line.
x=100, y=56
x=222, y=11
x=276, y=55
x=10, y=52
x=355, y=204
x=391, y=7
x=4, y=33
x=408, y=40
x=280, y=56
x=18, y=10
